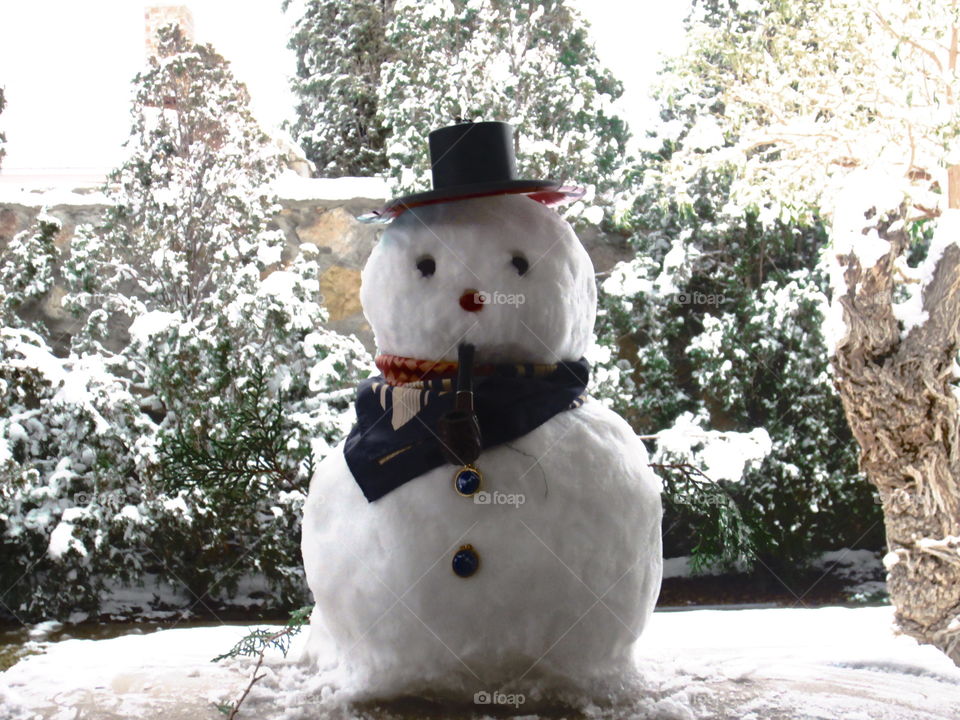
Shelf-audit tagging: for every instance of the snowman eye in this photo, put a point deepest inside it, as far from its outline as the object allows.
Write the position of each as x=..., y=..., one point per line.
x=427, y=266
x=520, y=263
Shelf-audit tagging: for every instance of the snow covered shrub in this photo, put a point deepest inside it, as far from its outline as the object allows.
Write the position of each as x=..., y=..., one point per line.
x=767, y=363
x=27, y=270
x=171, y=451
x=75, y=451
x=340, y=46
x=223, y=327
x=719, y=320
x=720, y=314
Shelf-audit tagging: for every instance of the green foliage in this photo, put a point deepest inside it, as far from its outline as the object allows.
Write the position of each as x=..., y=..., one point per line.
x=719, y=317
x=27, y=266
x=724, y=539
x=374, y=78
x=258, y=641
x=166, y=457
x=71, y=439
x=340, y=46
x=258, y=450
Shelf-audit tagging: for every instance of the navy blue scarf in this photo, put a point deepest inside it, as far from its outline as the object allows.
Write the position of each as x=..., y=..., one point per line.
x=395, y=438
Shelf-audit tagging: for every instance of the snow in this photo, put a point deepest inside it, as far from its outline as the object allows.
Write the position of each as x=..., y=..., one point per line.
x=177, y=504
x=675, y=262
x=40, y=189
x=858, y=569
x=853, y=234
x=593, y=214
x=682, y=567
x=628, y=279
x=62, y=540
x=35, y=354
x=862, y=192
x=777, y=664
x=910, y=312
x=677, y=567
x=720, y=455
x=269, y=254
x=861, y=570
x=151, y=323
x=706, y=134
x=43, y=629
x=66, y=189
x=281, y=284
x=290, y=186
x=131, y=513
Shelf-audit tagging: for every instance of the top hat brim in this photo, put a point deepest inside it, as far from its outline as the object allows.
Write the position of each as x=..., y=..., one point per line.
x=547, y=192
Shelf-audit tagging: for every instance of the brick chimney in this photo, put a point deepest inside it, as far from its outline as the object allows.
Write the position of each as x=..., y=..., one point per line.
x=157, y=16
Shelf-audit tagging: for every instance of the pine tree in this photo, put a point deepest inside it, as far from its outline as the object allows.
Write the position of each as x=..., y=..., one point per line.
x=340, y=47
x=181, y=431
x=379, y=76
x=188, y=257
x=191, y=203
x=530, y=63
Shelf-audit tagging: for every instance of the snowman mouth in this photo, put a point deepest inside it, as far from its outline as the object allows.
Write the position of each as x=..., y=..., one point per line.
x=472, y=300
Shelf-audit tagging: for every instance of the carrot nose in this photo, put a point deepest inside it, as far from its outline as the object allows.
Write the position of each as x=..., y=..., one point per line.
x=471, y=300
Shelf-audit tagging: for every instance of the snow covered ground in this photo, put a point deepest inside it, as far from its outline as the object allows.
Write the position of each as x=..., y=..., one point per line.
x=749, y=664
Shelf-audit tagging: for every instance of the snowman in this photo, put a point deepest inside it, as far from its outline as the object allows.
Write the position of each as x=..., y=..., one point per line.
x=485, y=524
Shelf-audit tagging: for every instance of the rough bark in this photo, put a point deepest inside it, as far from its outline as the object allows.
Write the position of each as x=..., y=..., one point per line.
x=900, y=402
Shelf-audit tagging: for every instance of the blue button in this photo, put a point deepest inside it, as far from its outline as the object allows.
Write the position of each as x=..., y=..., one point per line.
x=467, y=481
x=466, y=561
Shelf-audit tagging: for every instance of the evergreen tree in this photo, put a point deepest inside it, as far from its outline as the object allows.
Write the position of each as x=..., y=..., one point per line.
x=340, y=47
x=407, y=68
x=188, y=257
x=175, y=444
x=530, y=63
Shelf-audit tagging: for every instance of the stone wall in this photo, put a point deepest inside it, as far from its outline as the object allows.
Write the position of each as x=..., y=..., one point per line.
x=342, y=241
x=330, y=225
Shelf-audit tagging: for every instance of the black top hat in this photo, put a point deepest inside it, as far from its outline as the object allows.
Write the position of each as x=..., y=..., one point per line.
x=474, y=160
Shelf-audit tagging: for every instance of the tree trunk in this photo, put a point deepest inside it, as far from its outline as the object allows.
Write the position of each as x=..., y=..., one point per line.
x=902, y=409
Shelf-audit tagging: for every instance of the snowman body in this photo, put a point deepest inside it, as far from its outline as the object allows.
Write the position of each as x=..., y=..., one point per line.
x=567, y=526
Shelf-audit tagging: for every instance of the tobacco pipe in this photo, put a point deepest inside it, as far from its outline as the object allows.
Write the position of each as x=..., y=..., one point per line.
x=459, y=429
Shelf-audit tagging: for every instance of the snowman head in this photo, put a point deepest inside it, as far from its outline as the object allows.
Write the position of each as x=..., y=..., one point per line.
x=503, y=272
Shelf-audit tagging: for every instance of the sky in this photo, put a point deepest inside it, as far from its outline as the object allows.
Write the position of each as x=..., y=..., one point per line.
x=66, y=66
